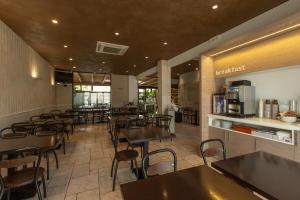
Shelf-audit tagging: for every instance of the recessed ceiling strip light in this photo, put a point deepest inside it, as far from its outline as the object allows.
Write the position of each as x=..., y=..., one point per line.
x=257, y=39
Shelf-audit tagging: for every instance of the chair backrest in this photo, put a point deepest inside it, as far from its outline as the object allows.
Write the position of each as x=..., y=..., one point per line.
x=46, y=129
x=115, y=135
x=165, y=121
x=212, y=151
x=8, y=132
x=46, y=116
x=23, y=127
x=160, y=167
x=21, y=161
x=136, y=123
x=35, y=118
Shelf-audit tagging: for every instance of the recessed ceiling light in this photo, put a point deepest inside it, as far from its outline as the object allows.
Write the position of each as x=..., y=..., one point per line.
x=178, y=74
x=215, y=7
x=126, y=71
x=116, y=33
x=103, y=62
x=146, y=57
x=70, y=59
x=134, y=66
x=196, y=68
x=65, y=46
x=54, y=21
x=165, y=43
x=74, y=67
x=189, y=64
x=100, y=69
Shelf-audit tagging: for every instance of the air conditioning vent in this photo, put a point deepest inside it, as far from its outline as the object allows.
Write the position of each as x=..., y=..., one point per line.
x=109, y=48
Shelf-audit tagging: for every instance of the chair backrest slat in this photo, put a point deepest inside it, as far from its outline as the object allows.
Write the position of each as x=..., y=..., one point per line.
x=212, y=151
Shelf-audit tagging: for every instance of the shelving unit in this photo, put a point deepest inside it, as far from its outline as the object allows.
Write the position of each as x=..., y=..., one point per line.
x=266, y=123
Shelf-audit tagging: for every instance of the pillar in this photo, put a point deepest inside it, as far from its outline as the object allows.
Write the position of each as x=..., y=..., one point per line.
x=164, y=86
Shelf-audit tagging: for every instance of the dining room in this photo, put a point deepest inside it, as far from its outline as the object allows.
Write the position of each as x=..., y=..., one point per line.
x=105, y=100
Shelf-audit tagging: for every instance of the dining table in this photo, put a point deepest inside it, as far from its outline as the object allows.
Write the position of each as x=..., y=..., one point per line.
x=143, y=136
x=21, y=144
x=271, y=176
x=197, y=183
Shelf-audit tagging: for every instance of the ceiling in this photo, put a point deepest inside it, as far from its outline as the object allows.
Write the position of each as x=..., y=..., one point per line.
x=91, y=78
x=183, y=68
x=142, y=25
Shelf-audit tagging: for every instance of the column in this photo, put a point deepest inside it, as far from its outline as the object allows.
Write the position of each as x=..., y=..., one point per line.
x=164, y=86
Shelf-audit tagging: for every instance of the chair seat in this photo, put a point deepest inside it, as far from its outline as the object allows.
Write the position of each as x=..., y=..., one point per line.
x=160, y=168
x=126, y=155
x=211, y=152
x=22, y=177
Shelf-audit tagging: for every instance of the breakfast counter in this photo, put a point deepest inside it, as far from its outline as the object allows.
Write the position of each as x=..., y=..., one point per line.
x=262, y=123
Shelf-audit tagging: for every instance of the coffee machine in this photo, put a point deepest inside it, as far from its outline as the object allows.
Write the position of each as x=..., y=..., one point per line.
x=240, y=99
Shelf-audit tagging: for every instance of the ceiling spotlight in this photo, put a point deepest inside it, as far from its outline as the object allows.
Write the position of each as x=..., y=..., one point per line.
x=65, y=46
x=100, y=69
x=54, y=21
x=146, y=57
x=70, y=59
x=189, y=64
x=197, y=69
x=215, y=7
x=116, y=33
x=134, y=66
x=103, y=62
x=165, y=43
x=126, y=71
x=178, y=74
x=74, y=67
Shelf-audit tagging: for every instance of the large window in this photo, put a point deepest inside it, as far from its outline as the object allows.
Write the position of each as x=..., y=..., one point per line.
x=88, y=96
x=147, y=95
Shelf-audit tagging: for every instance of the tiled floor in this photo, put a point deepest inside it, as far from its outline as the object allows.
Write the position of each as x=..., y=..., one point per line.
x=84, y=172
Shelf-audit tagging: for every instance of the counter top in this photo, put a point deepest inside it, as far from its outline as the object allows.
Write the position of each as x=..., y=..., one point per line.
x=260, y=122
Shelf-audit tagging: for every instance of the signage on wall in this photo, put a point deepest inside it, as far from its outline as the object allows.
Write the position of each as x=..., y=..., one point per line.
x=230, y=70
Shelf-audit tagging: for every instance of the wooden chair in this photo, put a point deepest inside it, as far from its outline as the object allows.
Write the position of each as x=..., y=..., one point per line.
x=35, y=118
x=46, y=116
x=8, y=133
x=159, y=167
x=46, y=130
x=24, y=176
x=212, y=151
x=23, y=127
x=121, y=156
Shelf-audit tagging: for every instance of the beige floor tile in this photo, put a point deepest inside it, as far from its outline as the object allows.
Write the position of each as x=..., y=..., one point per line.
x=89, y=195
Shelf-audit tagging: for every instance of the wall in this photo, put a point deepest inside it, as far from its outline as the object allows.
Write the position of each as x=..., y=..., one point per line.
x=63, y=94
x=281, y=84
x=188, y=95
x=124, y=89
x=22, y=95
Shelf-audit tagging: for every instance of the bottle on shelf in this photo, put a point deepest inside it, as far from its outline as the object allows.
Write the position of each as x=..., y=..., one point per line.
x=275, y=109
x=267, y=109
x=261, y=108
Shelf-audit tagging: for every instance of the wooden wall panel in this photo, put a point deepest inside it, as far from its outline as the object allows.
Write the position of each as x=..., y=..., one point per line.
x=277, y=52
x=21, y=94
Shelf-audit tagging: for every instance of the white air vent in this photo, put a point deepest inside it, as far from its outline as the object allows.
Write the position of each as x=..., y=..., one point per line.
x=108, y=48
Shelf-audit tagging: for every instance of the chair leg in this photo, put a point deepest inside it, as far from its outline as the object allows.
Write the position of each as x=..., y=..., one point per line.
x=44, y=186
x=136, y=168
x=115, y=175
x=112, y=167
x=47, y=161
x=56, y=159
x=8, y=193
x=64, y=146
x=38, y=191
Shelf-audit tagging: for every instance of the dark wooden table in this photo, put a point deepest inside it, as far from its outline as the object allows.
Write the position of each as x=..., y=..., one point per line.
x=23, y=144
x=271, y=176
x=144, y=136
x=197, y=183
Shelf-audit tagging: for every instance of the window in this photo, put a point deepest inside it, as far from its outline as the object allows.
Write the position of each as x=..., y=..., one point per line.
x=147, y=95
x=86, y=87
x=101, y=88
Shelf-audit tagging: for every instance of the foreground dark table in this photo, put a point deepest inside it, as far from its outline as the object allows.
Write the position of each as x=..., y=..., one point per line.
x=269, y=175
x=198, y=183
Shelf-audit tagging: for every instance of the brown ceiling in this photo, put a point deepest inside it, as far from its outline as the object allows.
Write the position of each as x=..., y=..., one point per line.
x=91, y=78
x=143, y=25
x=183, y=68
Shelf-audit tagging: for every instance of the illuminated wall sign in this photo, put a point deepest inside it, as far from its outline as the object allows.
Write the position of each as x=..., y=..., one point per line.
x=230, y=70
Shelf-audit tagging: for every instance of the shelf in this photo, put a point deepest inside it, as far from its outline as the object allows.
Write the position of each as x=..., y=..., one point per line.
x=250, y=135
x=254, y=121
